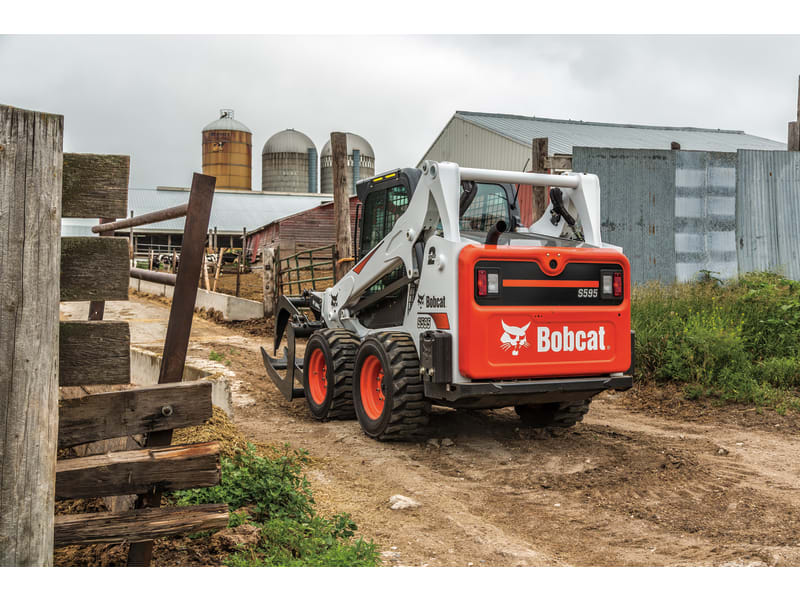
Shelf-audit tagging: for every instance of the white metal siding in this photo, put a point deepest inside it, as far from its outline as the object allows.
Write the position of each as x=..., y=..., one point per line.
x=472, y=146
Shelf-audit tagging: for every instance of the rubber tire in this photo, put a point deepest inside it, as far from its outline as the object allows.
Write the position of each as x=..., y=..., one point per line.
x=555, y=414
x=339, y=348
x=406, y=411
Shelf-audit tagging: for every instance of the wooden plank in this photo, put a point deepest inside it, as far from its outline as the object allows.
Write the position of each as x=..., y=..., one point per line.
x=794, y=136
x=129, y=412
x=94, y=352
x=94, y=268
x=30, y=229
x=561, y=163
x=138, y=525
x=96, y=417
x=138, y=471
x=95, y=185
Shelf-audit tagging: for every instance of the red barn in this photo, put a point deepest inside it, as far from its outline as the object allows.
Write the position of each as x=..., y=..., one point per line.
x=311, y=228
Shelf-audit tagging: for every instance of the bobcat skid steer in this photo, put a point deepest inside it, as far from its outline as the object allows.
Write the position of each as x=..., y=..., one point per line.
x=453, y=302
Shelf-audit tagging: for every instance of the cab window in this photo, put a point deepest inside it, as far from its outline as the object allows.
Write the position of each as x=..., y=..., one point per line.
x=382, y=208
x=489, y=206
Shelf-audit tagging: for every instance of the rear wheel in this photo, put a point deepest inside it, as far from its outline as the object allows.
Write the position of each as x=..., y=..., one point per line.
x=554, y=414
x=387, y=388
x=328, y=373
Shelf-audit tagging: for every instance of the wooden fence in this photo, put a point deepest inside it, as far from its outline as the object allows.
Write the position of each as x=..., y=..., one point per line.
x=39, y=185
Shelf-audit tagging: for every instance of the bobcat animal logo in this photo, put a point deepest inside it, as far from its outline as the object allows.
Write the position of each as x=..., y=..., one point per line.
x=514, y=338
x=334, y=300
x=421, y=300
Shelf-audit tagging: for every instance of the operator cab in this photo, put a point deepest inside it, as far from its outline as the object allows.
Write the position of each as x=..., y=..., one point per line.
x=384, y=198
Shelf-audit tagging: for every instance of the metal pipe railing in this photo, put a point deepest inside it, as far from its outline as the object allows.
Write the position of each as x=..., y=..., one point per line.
x=173, y=212
x=537, y=179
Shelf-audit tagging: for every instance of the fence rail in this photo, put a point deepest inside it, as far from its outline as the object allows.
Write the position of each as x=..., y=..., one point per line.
x=317, y=262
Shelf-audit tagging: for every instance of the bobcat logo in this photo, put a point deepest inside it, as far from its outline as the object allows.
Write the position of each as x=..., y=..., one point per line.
x=421, y=300
x=514, y=338
x=334, y=300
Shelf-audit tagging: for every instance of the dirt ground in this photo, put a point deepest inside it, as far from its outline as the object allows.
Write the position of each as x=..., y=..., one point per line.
x=250, y=284
x=646, y=479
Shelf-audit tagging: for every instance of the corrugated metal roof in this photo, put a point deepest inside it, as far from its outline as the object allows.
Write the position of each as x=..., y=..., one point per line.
x=563, y=135
x=230, y=211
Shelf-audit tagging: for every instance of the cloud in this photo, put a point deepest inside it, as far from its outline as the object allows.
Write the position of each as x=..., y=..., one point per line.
x=149, y=96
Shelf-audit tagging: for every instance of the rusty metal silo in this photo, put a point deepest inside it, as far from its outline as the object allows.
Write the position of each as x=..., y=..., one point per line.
x=289, y=163
x=228, y=152
x=360, y=163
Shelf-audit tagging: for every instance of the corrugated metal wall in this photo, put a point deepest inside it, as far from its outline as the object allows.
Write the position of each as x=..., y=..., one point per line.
x=705, y=214
x=768, y=211
x=637, y=191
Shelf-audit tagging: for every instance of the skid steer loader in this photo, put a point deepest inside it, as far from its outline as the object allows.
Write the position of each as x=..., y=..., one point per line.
x=453, y=302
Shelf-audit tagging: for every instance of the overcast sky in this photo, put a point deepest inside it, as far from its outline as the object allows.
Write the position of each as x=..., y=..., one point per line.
x=149, y=96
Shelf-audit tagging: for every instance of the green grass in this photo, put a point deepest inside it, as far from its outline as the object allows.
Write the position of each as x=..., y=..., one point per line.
x=217, y=356
x=280, y=503
x=737, y=341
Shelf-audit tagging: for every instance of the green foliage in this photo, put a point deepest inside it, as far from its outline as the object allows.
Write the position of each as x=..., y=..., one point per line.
x=737, y=341
x=278, y=500
x=217, y=356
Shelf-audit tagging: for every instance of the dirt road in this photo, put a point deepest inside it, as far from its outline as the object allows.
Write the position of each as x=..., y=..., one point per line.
x=639, y=482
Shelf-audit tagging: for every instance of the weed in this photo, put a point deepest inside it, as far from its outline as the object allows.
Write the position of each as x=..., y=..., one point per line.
x=736, y=341
x=278, y=500
x=217, y=356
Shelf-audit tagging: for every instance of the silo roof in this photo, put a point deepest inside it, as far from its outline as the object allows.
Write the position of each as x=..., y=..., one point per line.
x=288, y=140
x=564, y=134
x=226, y=123
x=354, y=142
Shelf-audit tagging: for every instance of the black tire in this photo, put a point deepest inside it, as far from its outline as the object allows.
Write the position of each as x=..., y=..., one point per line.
x=405, y=410
x=554, y=414
x=338, y=348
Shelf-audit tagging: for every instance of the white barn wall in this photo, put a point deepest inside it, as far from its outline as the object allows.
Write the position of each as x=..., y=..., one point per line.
x=472, y=146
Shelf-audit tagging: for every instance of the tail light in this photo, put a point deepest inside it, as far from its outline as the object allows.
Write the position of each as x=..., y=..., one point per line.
x=488, y=282
x=617, y=285
x=482, y=282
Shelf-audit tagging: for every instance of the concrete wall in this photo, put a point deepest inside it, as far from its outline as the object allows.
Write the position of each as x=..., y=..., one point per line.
x=146, y=366
x=231, y=307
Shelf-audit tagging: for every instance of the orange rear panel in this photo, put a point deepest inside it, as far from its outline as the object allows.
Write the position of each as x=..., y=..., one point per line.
x=546, y=321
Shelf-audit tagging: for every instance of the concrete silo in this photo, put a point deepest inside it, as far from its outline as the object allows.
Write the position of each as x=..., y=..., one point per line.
x=289, y=163
x=360, y=163
x=228, y=152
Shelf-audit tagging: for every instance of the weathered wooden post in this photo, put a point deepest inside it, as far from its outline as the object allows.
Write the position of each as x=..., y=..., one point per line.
x=794, y=126
x=341, y=205
x=30, y=246
x=539, y=152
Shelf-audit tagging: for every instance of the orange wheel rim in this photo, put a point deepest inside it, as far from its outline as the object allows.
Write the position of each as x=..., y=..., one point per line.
x=371, y=387
x=318, y=377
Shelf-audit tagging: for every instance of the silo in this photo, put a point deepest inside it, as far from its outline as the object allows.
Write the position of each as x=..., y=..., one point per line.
x=289, y=163
x=228, y=152
x=360, y=163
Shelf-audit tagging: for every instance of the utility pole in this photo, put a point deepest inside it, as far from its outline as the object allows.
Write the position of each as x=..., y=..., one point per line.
x=794, y=126
x=341, y=205
x=539, y=151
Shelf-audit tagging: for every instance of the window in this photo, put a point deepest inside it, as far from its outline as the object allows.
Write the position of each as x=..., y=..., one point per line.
x=382, y=208
x=489, y=206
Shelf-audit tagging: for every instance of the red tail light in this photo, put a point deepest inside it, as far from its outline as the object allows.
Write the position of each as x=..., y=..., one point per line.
x=482, y=284
x=617, y=284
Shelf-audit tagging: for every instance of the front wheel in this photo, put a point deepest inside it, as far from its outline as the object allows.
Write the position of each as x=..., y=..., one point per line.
x=387, y=388
x=328, y=372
